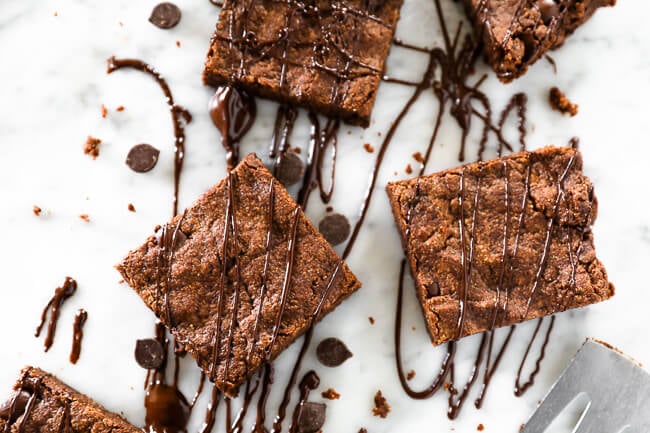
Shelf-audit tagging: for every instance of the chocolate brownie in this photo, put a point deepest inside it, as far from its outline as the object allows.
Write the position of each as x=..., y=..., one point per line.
x=325, y=55
x=43, y=404
x=516, y=33
x=239, y=276
x=499, y=242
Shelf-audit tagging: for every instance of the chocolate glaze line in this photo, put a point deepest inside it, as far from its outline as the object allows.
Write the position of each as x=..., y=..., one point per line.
x=65, y=425
x=308, y=383
x=491, y=367
x=179, y=114
x=284, y=121
x=61, y=294
x=77, y=335
x=519, y=388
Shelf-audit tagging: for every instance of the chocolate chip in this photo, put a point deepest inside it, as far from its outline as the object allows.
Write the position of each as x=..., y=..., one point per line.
x=165, y=15
x=142, y=158
x=149, y=353
x=335, y=228
x=290, y=169
x=311, y=417
x=332, y=352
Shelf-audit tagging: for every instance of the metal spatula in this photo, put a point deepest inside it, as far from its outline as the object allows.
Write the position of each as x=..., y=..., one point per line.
x=617, y=388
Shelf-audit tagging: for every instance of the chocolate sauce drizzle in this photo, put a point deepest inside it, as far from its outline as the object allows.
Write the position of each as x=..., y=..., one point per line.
x=22, y=404
x=180, y=116
x=61, y=294
x=77, y=335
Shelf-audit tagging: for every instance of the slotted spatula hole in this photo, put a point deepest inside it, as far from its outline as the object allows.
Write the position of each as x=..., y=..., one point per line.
x=568, y=420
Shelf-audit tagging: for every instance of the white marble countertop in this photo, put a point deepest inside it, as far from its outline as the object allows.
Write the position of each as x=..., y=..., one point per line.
x=53, y=83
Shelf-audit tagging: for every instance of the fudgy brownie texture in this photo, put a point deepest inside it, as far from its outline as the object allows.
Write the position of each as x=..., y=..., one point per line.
x=516, y=33
x=180, y=275
x=325, y=55
x=43, y=404
x=499, y=242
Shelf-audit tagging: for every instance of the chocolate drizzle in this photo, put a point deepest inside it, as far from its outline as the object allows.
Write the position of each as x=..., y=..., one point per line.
x=77, y=335
x=61, y=294
x=180, y=116
x=22, y=403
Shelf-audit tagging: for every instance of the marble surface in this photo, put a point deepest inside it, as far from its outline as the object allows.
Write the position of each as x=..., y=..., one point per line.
x=53, y=82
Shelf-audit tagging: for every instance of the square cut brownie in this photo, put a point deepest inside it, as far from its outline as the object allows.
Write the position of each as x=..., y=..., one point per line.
x=499, y=242
x=516, y=33
x=239, y=276
x=43, y=404
x=325, y=55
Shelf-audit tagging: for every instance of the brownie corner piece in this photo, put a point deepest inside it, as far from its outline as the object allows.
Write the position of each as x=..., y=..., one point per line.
x=327, y=56
x=42, y=403
x=517, y=33
x=239, y=275
x=496, y=243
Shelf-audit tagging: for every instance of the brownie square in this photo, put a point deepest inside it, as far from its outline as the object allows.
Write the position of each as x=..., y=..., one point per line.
x=43, y=404
x=516, y=33
x=327, y=56
x=235, y=298
x=499, y=242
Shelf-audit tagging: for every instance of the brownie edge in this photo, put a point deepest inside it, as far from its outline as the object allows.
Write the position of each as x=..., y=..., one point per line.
x=495, y=243
x=250, y=324
x=56, y=408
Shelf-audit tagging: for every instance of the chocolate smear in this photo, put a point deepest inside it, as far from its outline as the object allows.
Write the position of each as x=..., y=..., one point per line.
x=332, y=352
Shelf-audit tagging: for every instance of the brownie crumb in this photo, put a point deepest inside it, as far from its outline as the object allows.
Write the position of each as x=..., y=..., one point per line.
x=410, y=375
x=418, y=157
x=561, y=103
x=331, y=394
x=131, y=207
x=382, y=407
x=408, y=169
x=363, y=430
x=56, y=14
x=104, y=111
x=371, y=320
x=480, y=427
x=178, y=44
x=157, y=228
x=37, y=210
x=92, y=146
x=120, y=108
x=85, y=217
x=368, y=147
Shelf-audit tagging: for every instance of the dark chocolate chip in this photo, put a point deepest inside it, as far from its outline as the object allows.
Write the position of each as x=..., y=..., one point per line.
x=142, y=157
x=332, y=352
x=290, y=169
x=149, y=353
x=165, y=15
x=19, y=402
x=311, y=417
x=335, y=228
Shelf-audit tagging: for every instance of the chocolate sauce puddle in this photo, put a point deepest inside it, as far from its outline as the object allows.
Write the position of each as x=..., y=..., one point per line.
x=180, y=116
x=61, y=294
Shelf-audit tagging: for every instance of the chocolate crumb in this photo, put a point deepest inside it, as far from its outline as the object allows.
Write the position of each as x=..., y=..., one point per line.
x=311, y=417
x=382, y=408
x=561, y=103
x=480, y=427
x=368, y=147
x=290, y=169
x=408, y=169
x=330, y=394
x=157, y=228
x=329, y=208
x=149, y=353
x=56, y=14
x=165, y=15
x=178, y=44
x=120, y=108
x=371, y=320
x=335, y=228
x=37, y=210
x=332, y=352
x=418, y=157
x=410, y=375
x=363, y=430
x=142, y=158
x=85, y=217
x=131, y=207
x=92, y=146
x=297, y=150
x=104, y=111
